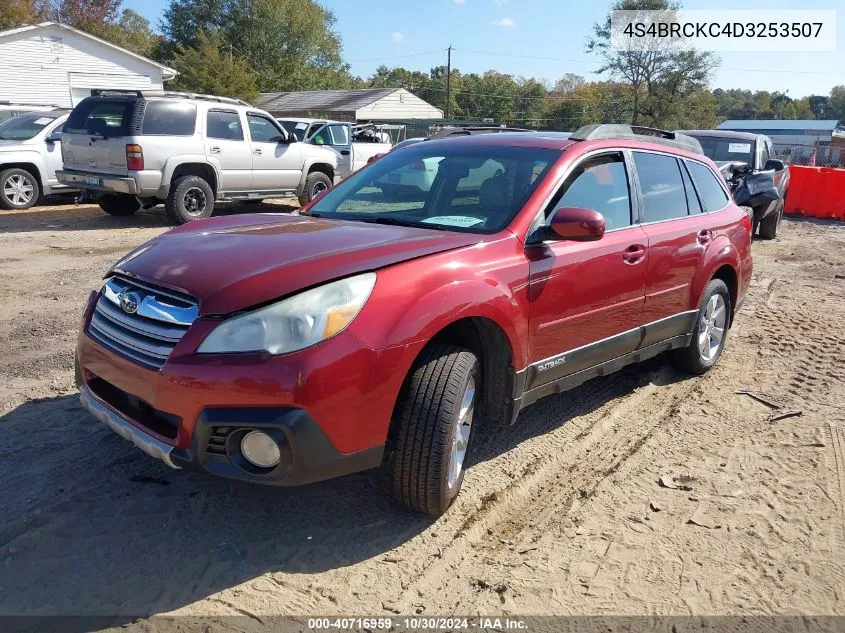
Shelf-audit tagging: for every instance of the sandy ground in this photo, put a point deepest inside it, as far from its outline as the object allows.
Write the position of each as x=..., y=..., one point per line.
x=561, y=513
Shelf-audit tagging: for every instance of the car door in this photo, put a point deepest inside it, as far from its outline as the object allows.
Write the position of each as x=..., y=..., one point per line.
x=336, y=136
x=676, y=238
x=781, y=175
x=586, y=298
x=276, y=164
x=225, y=144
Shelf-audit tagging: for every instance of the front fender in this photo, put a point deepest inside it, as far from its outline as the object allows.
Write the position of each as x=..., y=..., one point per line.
x=326, y=157
x=30, y=157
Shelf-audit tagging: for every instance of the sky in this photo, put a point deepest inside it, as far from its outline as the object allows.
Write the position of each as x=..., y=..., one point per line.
x=543, y=39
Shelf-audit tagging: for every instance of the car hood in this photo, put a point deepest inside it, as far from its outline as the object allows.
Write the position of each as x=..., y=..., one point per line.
x=236, y=262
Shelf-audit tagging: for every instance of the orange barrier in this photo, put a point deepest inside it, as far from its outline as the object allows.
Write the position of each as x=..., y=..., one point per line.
x=818, y=192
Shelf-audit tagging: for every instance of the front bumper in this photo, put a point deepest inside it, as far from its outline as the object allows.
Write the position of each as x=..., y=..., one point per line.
x=97, y=182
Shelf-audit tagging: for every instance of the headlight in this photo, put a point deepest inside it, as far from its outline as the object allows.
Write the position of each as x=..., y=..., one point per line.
x=295, y=323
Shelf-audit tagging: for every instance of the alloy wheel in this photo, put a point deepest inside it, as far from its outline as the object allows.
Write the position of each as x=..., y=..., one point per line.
x=18, y=189
x=195, y=201
x=460, y=438
x=711, y=328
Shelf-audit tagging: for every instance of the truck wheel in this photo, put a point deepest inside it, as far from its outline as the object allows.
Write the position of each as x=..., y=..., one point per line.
x=18, y=189
x=190, y=198
x=711, y=330
x=115, y=204
x=434, y=428
x=771, y=223
x=316, y=183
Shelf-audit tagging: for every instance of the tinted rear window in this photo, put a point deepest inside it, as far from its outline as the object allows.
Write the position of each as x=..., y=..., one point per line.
x=169, y=118
x=713, y=196
x=663, y=192
x=101, y=117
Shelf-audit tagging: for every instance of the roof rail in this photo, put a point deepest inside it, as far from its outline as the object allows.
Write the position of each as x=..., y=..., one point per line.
x=610, y=131
x=471, y=130
x=98, y=92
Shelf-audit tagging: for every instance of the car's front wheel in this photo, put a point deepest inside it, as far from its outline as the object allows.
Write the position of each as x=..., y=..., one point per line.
x=115, y=204
x=711, y=330
x=434, y=428
x=771, y=223
x=18, y=189
x=316, y=183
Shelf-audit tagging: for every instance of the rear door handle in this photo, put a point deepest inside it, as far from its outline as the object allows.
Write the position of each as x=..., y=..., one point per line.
x=705, y=236
x=634, y=254
x=256, y=152
x=214, y=150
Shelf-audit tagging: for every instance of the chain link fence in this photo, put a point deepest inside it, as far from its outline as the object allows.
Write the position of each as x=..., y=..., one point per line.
x=811, y=155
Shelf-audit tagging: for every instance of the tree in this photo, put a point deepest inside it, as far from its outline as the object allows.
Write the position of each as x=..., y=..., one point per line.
x=290, y=44
x=658, y=79
x=568, y=83
x=132, y=32
x=836, y=103
x=88, y=15
x=14, y=13
x=207, y=68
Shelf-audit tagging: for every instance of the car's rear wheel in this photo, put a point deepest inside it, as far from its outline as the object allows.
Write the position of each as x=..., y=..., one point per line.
x=434, y=428
x=316, y=183
x=190, y=198
x=18, y=189
x=771, y=223
x=118, y=205
x=711, y=330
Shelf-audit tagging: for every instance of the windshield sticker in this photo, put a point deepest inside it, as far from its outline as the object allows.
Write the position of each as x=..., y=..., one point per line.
x=42, y=121
x=453, y=220
x=739, y=148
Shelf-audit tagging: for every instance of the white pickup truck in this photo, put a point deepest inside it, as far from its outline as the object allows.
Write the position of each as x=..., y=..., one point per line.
x=355, y=145
x=30, y=154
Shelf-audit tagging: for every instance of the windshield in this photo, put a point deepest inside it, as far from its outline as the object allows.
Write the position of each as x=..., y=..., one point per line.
x=447, y=186
x=727, y=149
x=295, y=128
x=24, y=126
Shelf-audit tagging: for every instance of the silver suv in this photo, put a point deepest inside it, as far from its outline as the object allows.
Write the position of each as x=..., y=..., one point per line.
x=138, y=149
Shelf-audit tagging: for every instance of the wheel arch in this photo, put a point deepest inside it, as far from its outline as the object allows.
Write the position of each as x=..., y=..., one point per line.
x=310, y=168
x=728, y=274
x=203, y=170
x=27, y=166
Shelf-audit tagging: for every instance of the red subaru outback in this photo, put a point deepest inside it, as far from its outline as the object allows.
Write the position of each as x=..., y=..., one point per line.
x=385, y=325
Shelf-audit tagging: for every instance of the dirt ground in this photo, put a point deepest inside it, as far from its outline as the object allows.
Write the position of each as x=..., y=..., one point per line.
x=561, y=513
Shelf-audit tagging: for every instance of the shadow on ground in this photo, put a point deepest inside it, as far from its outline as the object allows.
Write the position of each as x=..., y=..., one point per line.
x=90, y=525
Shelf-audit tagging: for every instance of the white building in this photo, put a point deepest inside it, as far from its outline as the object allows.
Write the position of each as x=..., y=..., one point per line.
x=53, y=64
x=363, y=104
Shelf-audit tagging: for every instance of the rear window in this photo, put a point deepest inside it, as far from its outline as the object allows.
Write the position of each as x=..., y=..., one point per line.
x=101, y=117
x=713, y=196
x=169, y=118
x=663, y=192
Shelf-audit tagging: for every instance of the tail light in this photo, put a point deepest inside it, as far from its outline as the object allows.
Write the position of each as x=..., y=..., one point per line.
x=134, y=158
x=746, y=221
x=417, y=165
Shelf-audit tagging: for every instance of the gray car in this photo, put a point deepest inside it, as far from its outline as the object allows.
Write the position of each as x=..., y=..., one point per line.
x=137, y=149
x=757, y=151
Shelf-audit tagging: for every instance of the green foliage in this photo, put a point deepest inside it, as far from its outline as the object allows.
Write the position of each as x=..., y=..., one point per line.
x=14, y=13
x=290, y=44
x=207, y=68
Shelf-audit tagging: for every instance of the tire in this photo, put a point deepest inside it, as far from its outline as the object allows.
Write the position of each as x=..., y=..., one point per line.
x=771, y=223
x=118, y=205
x=315, y=183
x=701, y=355
x=19, y=189
x=190, y=198
x=433, y=423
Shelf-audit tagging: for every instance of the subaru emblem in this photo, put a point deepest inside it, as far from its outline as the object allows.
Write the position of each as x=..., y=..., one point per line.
x=129, y=302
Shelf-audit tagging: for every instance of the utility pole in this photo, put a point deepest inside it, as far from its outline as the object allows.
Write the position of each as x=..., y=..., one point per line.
x=448, y=79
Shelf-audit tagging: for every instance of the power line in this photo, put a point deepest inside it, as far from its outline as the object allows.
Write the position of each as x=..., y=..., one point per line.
x=380, y=59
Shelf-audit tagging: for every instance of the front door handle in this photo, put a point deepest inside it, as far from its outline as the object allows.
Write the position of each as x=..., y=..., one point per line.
x=256, y=152
x=214, y=150
x=705, y=236
x=634, y=254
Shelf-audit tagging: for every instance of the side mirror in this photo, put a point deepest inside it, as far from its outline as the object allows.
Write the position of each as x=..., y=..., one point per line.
x=55, y=137
x=575, y=224
x=774, y=163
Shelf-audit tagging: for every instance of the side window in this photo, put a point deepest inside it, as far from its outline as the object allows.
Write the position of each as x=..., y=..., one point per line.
x=713, y=196
x=599, y=183
x=693, y=203
x=664, y=197
x=224, y=124
x=339, y=135
x=169, y=118
x=764, y=152
x=263, y=130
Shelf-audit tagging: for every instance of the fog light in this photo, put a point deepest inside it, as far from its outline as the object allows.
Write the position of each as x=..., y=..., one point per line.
x=260, y=449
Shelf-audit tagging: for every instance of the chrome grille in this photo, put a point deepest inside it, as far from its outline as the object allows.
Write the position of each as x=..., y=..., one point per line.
x=140, y=320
